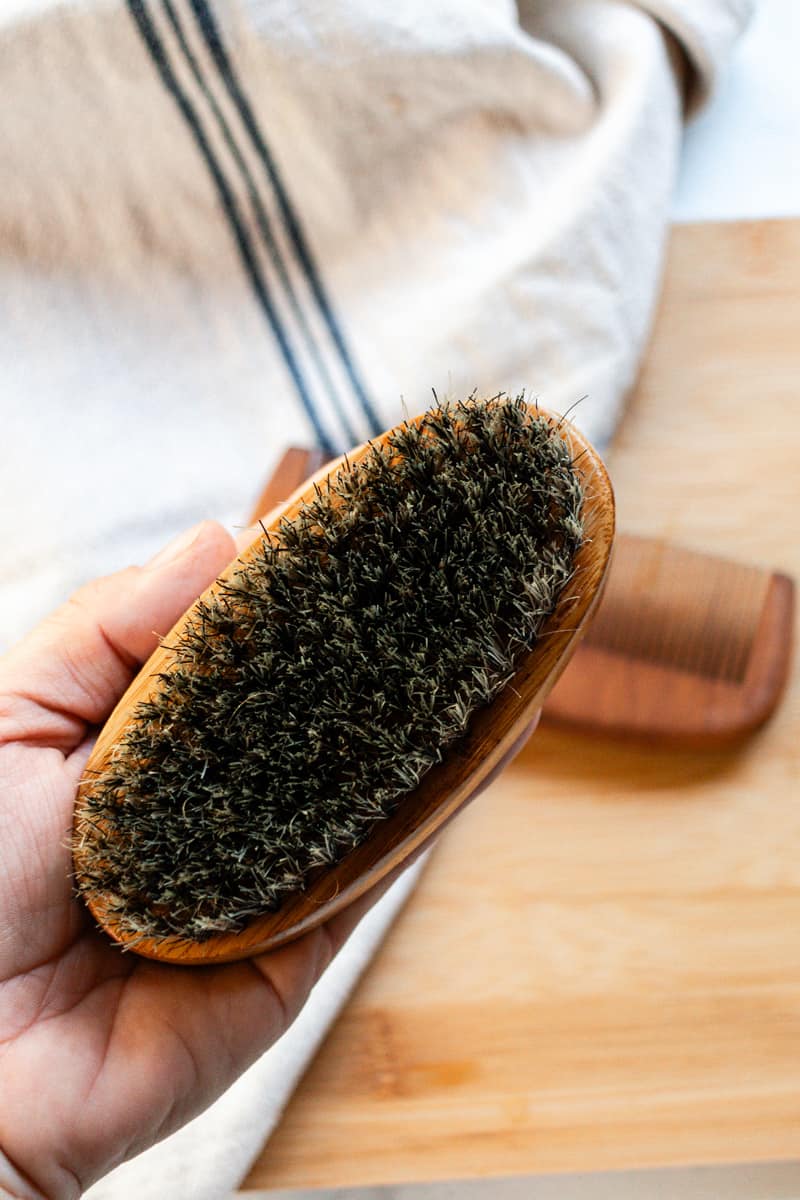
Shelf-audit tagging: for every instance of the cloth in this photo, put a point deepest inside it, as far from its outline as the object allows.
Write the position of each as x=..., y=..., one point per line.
x=229, y=228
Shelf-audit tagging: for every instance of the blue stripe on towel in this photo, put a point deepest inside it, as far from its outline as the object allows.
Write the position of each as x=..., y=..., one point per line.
x=210, y=31
x=262, y=220
x=155, y=47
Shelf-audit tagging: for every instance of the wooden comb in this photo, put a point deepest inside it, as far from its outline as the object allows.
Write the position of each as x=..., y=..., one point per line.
x=686, y=648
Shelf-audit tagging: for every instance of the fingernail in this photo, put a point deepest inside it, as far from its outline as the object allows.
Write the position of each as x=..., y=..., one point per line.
x=174, y=549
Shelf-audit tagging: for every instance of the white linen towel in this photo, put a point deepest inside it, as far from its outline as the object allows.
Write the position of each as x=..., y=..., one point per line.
x=224, y=229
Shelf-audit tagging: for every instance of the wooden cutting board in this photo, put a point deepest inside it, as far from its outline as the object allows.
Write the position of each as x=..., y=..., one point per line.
x=601, y=966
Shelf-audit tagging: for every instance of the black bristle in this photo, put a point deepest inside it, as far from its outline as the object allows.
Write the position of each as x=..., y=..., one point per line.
x=333, y=669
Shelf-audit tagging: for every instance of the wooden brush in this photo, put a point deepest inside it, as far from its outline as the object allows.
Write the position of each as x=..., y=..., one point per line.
x=415, y=601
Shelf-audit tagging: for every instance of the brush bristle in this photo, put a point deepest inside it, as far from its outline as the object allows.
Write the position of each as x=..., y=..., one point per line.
x=333, y=669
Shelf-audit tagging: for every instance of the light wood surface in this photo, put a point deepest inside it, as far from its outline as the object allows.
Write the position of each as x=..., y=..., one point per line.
x=494, y=732
x=601, y=965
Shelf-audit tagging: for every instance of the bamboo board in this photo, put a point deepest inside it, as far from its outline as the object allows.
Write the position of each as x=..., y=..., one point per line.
x=601, y=966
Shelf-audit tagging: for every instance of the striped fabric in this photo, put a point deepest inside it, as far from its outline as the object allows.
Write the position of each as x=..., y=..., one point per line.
x=275, y=256
x=226, y=227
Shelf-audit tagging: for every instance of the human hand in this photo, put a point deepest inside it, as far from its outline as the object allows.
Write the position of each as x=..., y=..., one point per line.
x=102, y=1053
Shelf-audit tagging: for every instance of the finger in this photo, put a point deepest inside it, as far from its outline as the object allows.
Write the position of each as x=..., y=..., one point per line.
x=246, y=1005
x=250, y=1004
x=76, y=664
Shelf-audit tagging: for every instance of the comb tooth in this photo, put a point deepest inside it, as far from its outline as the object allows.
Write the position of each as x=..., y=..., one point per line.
x=744, y=599
x=681, y=610
x=669, y=640
x=706, y=628
x=731, y=621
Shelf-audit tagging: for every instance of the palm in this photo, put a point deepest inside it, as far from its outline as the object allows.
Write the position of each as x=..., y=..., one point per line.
x=115, y=1050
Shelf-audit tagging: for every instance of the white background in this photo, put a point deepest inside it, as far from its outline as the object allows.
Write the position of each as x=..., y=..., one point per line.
x=742, y=153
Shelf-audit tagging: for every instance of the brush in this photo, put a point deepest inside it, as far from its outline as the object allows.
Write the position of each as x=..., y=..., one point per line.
x=346, y=684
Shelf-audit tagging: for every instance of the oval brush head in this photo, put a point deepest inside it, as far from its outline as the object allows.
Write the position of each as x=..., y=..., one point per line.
x=345, y=685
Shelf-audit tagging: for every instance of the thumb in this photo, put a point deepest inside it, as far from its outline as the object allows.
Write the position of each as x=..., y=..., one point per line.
x=73, y=667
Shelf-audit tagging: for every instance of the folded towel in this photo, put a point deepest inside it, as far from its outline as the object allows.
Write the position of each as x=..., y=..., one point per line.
x=225, y=228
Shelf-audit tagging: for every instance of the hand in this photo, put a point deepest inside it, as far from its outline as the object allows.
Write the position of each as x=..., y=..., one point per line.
x=103, y=1053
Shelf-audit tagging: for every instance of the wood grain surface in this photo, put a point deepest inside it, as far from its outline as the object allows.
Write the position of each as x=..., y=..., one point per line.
x=601, y=966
